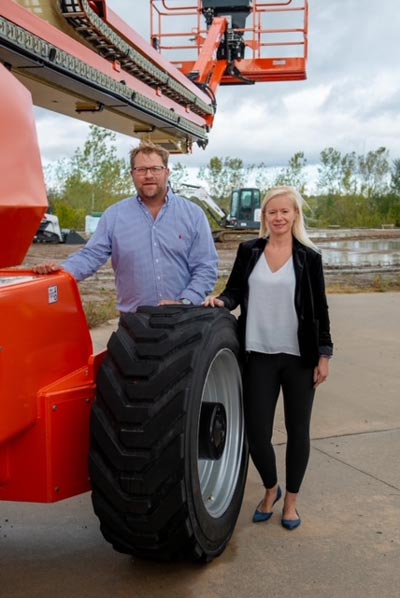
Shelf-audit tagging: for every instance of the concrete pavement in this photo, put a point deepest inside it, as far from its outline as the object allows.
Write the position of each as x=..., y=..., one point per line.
x=348, y=544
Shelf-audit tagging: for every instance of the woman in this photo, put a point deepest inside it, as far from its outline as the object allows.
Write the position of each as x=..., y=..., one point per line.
x=278, y=282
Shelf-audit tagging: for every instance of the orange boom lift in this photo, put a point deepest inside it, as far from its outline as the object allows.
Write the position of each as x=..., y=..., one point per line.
x=78, y=58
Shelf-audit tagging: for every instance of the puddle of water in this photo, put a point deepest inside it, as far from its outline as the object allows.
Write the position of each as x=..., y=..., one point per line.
x=383, y=252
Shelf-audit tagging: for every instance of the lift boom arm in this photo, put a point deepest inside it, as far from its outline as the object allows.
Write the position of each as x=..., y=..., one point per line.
x=76, y=57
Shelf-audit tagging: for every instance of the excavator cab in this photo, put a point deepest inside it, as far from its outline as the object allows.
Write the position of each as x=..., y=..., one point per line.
x=245, y=211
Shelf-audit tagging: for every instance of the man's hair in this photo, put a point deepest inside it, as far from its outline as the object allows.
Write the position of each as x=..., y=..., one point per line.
x=147, y=147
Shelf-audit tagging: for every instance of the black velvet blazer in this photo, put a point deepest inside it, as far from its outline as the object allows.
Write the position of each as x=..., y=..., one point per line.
x=310, y=297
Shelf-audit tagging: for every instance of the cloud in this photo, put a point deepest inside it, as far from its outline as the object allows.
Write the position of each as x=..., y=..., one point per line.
x=59, y=136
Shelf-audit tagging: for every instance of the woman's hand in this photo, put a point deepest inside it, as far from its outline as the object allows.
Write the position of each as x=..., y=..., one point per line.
x=321, y=372
x=211, y=301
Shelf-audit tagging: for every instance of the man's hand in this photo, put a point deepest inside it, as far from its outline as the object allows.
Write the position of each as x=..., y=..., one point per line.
x=47, y=267
x=212, y=301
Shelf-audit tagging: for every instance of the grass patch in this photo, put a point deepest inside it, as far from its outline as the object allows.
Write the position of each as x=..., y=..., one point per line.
x=378, y=284
x=99, y=312
x=220, y=285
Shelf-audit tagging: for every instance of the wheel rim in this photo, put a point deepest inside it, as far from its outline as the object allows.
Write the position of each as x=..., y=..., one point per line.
x=218, y=477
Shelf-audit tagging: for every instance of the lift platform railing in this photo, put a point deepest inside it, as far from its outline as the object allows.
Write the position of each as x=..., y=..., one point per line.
x=269, y=45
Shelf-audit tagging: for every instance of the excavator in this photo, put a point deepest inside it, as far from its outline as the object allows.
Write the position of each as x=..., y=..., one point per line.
x=153, y=424
x=243, y=219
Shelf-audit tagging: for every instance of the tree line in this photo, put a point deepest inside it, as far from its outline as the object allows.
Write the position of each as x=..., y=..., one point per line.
x=351, y=190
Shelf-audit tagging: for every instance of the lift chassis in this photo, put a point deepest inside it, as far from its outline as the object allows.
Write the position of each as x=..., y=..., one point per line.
x=153, y=424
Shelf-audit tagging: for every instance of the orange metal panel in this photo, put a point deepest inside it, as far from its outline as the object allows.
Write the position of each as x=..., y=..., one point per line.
x=44, y=336
x=67, y=421
x=206, y=59
x=269, y=69
x=47, y=385
x=49, y=462
x=217, y=75
x=258, y=70
x=23, y=198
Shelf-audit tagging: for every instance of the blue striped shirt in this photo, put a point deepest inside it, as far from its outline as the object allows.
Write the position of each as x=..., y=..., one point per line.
x=171, y=257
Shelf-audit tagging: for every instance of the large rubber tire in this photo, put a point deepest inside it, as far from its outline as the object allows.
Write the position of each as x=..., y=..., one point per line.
x=168, y=457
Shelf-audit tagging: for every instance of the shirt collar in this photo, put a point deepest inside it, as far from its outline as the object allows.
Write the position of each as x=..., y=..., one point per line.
x=168, y=197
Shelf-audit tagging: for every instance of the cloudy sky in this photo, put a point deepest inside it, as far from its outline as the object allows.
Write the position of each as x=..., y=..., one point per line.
x=350, y=100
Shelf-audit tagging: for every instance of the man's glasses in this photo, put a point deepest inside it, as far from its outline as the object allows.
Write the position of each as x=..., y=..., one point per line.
x=142, y=170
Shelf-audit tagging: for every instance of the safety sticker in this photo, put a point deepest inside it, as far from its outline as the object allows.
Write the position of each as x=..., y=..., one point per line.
x=53, y=294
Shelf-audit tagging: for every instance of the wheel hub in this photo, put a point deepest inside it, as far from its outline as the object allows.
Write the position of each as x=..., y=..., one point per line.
x=212, y=434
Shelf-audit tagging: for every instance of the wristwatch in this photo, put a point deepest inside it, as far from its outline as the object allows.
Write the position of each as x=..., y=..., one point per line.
x=186, y=302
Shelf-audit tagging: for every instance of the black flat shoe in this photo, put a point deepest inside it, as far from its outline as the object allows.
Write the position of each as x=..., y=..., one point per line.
x=291, y=523
x=260, y=515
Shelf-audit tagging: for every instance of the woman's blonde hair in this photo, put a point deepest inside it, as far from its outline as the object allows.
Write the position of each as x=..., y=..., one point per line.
x=298, y=230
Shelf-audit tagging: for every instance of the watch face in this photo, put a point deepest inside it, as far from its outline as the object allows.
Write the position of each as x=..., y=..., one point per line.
x=186, y=302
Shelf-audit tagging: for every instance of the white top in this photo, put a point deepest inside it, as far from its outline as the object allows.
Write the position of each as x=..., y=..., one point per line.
x=271, y=325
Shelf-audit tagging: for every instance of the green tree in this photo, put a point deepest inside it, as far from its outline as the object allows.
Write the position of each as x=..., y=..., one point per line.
x=213, y=175
x=349, y=173
x=374, y=171
x=222, y=175
x=69, y=217
x=94, y=177
x=294, y=175
x=329, y=171
x=337, y=173
x=395, y=177
x=179, y=175
x=263, y=179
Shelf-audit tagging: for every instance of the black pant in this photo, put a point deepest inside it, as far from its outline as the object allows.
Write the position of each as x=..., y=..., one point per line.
x=264, y=376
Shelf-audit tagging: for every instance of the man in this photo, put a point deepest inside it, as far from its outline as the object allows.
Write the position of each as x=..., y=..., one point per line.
x=160, y=244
